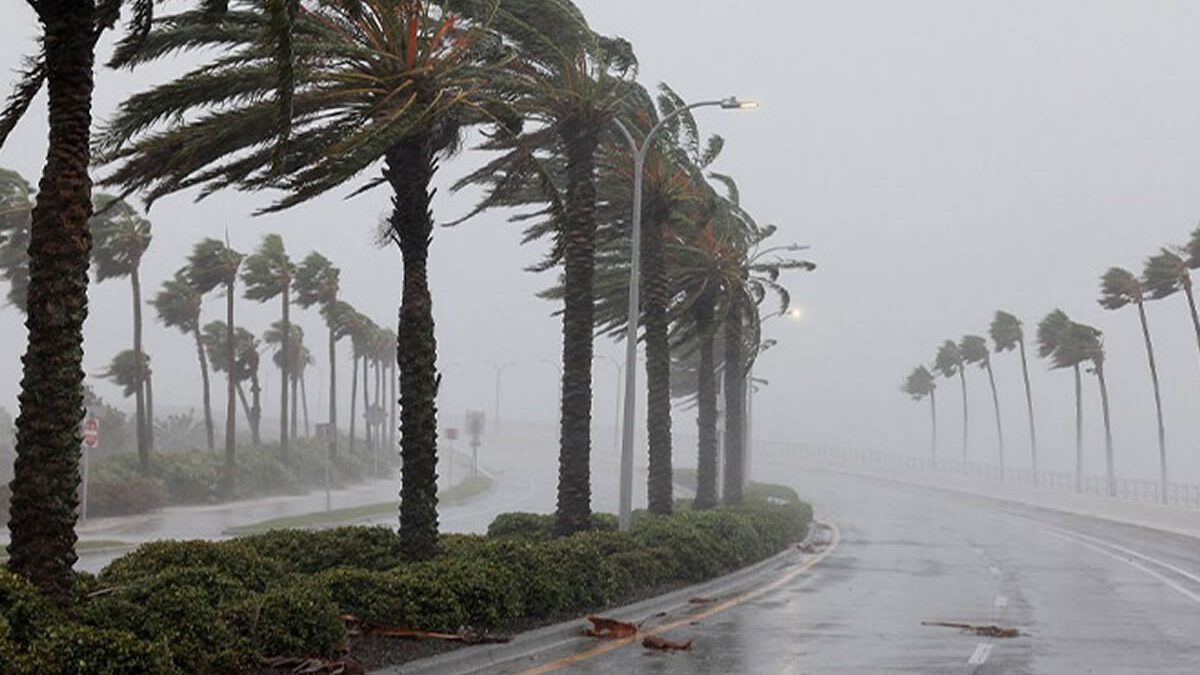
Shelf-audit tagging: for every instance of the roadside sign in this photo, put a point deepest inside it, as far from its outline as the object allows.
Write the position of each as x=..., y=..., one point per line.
x=452, y=433
x=91, y=433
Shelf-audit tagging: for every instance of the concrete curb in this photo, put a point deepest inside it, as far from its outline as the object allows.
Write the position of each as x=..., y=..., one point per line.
x=481, y=658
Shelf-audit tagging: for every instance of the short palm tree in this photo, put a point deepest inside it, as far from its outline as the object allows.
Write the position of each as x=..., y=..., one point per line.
x=1059, y=341
x=1170, y=272
x=214, y=265
x=178, y=306
x=974, y=350
x=16, y=211
x=128, y=371
x=267, y=274
x=120, y=237
x=921, y=384
x=1119, y=288
x=949, y=363
x=1007, y=334
x=244, y=367
x=317, y=284
x=288, y=343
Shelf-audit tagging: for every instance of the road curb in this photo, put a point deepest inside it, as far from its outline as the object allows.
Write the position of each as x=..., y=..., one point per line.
x=481, y=658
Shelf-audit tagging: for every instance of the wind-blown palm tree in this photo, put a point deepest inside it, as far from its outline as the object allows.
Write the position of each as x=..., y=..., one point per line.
x=267, y=274
x=214, y=265
x=1169, y=272
x=1119, y=288
x=1090, y=342
x=920, y=384
x=128, y=371
x=948, y=363
x=390, y=80
x=1059, y=341
x=16, y=211
x=974, y=350
x=120, y=238
x=1007, y=334
x=291, y=363
x=178, y=306
x=317, y=283
x=244, y=368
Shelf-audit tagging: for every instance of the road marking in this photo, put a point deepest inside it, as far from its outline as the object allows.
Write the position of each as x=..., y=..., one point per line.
x=1141, y=556
x=612, y=645
x=980, y=656
x=1127, y=559
x=1001, y=601
x=995, y=571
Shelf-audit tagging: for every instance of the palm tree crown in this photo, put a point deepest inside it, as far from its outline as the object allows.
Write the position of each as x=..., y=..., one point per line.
x=1006, y=331
x=16, y=210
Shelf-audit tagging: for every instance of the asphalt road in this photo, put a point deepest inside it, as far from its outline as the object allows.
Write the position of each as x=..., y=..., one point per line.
x=1088, y=595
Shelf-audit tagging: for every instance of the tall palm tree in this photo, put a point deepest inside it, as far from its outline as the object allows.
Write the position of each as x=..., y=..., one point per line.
x=1169, y=272
x=948, y=363
x=920, y=384
x=360, y=330
x=178, y=306
x=1089, y=341
x=390, y=80
x=1007, y=334
x=214, y=265
x=974, y=350
x=342, y=319
x=120, y=238
x=1119, y=288
x=317, y=283
x=267, y=274
x=1059, y=341
x=16, y=211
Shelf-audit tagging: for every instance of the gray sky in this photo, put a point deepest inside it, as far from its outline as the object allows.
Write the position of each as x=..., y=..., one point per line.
x=943, y=158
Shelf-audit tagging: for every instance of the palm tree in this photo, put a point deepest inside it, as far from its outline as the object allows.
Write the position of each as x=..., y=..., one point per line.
x=1058, y=340
x=360, y=331
x=391, y=80
x=974, y=350
x=317, y=283
x=1118, y=288
x=920, y=384
x=120, y=238
x=129, y=371
x=948, y=363
x=215, y=265
x=291, y=357
x=1089, y=341
x=1007, y=334
x=16, y=211
x=1169, y=272
x=342, y=320
x=244, y=367
x=267, y=274
x=178, y=306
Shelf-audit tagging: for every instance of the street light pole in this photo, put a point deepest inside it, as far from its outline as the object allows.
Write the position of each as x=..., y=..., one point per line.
x=640, y=152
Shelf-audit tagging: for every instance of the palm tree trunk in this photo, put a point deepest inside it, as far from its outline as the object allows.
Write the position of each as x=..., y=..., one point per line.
x=333, y=401
x=1078, y=430
x=996, y=406
x=574, y=512
x=658, y=363
x=933, y=432
x=285, y=373
x=1162, y=432
x=1191, y=298
x=141, y=425
x=368, y=430
x=1110, y=473
x=410, y=167
x=295, y=419
x=246, y=409
x=229, y=474
x=304, y=404
x=735, y=399
x=962, y=377
x=149, y=384
x=255, y=409
x=208, y=419
x=46, y=471
x=1029, y=405
x=353, y=399
x=706, y=418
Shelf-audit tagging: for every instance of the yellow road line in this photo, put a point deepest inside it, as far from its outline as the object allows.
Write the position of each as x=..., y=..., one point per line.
x=612, y=645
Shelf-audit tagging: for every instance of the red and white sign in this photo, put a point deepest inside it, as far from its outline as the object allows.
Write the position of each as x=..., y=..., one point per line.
x=91, y=433
x=452, y=433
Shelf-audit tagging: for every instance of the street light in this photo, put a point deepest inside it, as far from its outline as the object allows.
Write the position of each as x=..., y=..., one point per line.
x=640, y=152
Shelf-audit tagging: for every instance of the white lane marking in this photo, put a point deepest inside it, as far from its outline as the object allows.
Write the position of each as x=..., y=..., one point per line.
x=1132, y=563
x=1001, y=601
x=1128, y=551
x=995, y=571
x=980, y=656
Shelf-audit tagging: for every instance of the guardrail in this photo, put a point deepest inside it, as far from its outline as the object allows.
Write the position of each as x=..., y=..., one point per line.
x=1184, y=495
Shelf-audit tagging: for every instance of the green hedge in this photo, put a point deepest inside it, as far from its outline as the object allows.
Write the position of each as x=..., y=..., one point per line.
x=213, y=607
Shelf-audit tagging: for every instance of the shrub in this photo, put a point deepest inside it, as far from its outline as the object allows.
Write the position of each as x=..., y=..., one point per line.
x=125, y=496
x=487, y=591
x=235, y=559
x=25, y=612
x=371, y=548
x=72, y=649
x=297, y=618
x=537, y=526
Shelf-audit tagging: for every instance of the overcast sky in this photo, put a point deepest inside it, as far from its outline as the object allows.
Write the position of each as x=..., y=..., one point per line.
x=943, y=158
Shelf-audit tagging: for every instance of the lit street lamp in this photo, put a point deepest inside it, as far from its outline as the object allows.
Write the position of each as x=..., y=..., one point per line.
x=640, y=152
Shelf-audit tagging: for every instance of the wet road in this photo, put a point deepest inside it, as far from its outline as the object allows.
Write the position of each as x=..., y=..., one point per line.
x=1091, y=596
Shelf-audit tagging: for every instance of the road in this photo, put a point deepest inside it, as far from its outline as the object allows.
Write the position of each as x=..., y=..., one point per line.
x=909, y=555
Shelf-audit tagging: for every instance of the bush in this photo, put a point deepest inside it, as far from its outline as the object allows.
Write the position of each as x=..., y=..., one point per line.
x=538, y=526
x=26, y=614
x=297, y=618
x=370, y=548
x=72, y=649
x=235, y=559
x=124, y=496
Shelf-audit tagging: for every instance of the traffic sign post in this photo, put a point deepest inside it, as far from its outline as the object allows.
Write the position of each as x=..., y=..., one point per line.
x=91, y=441
x=475, y=425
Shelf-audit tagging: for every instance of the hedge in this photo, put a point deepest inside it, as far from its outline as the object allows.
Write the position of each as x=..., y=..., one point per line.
x=214, y=607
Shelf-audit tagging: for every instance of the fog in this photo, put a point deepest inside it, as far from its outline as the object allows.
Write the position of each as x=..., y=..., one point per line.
x=943, y=159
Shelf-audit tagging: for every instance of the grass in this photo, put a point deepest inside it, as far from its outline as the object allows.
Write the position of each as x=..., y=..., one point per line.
x=465, y=491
